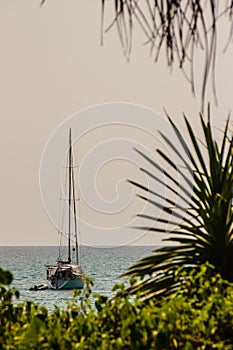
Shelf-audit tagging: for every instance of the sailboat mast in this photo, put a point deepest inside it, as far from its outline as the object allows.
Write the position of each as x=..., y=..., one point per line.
x=70, y=193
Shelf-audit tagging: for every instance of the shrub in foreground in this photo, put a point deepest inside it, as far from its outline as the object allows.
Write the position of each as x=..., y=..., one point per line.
x=198, y=316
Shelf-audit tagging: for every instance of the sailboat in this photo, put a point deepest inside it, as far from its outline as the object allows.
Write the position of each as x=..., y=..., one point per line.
x=68, y=273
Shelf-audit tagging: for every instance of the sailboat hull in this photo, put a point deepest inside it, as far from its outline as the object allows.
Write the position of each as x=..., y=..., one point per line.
x=74, y=284
x=67, y=285
x=65, y=277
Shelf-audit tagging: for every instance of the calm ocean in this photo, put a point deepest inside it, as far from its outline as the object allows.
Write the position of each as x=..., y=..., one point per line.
x=103, y=265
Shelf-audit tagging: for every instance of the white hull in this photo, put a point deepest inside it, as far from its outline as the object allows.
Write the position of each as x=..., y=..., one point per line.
x=65, y=276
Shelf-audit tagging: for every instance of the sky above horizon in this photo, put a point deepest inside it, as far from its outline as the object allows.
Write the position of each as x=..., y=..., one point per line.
x=53, y=70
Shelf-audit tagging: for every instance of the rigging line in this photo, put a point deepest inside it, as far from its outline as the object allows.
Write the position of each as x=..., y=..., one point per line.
x=70, y=192
x=78, y=226
x=75, y=215
x=66, y=199
x=72, y=166
x=61, y=224
x=62, y=209
x=78, y=208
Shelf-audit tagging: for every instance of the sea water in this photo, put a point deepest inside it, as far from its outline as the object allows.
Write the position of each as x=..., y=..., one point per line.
x=103, y=265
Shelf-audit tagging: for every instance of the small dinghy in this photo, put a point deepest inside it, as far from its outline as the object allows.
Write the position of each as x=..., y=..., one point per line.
x=39, y=287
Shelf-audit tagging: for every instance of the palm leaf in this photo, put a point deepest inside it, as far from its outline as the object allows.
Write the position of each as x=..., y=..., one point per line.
x=205, y=232
x=176, y=28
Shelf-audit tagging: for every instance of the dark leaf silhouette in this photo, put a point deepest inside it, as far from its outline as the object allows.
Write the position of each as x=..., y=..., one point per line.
x=206, y=232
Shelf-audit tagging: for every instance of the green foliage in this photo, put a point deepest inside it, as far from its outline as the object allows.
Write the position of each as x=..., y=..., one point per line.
x=5, y=277
x=206, y=230
x=198, y=316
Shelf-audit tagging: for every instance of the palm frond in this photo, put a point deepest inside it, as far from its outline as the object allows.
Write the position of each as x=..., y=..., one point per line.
x=204, y=230
x=179, y=28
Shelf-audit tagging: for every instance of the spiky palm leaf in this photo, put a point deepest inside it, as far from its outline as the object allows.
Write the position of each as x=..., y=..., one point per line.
x=206, y=231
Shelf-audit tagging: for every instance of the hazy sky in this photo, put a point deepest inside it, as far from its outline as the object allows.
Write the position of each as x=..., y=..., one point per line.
x=52, y=66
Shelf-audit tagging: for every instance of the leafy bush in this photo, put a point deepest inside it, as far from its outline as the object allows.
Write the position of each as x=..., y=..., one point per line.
x=198, y=316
